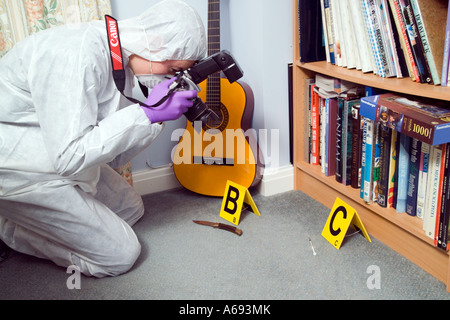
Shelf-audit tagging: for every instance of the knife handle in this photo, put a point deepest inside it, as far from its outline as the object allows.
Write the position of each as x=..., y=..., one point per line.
x=230, y=228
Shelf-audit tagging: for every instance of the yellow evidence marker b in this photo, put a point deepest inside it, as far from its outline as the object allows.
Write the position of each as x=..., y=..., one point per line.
x=233, y=199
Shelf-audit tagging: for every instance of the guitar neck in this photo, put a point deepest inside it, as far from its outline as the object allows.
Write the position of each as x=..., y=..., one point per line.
x=213, y=84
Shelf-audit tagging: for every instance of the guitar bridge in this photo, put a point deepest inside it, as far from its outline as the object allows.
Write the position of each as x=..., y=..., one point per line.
x=210, y=161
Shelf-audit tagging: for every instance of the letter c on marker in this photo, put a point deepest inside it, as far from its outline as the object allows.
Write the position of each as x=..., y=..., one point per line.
x=344, y=212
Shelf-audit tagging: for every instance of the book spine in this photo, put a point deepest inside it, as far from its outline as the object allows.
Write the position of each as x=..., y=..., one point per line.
x=404, y=34
x=369, y=129
x=335, y=17
x=397, y=152
x=440, y=189
x=347, y=142
x=349, y=45
x=426, y=46
x=423, y=179
x=416, y=43
x=356, y=147
x=403, y=172
x=392, y=169
x=378, y=64
x=376, y=161
x=379, y=39
x=323, y=7
x=385, y=147
x=360, y=35
x=391, y=38
x=446, y=58
x=315, y=124
x=429, y=222
x=397, y=32
x=363, y=156
x=339, y=140
x=308, y=115
x=330, y=33
x=382, y=38
x=322, y=130
x=411, y=197
x=444, y=217
x=331, y=143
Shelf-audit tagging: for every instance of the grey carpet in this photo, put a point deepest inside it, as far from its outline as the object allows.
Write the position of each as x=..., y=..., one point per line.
x=272, y=259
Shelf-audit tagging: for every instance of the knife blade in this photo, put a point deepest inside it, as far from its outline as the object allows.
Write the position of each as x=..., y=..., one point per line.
x=220, y=226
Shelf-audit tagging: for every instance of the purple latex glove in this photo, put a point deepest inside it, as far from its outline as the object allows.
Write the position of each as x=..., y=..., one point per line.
x=172, y=109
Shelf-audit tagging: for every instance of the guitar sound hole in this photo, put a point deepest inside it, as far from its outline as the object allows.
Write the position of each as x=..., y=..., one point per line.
x=222, y=122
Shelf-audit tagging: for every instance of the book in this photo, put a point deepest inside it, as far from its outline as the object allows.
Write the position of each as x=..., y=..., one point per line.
x=403, y=172
x=431, y=18
x=309, y=83
x=434, y=185
x=357, y=127
x=311, y=43
x=413, y=177
x=385, y=153
x=331, y=106
x=446, y=58
x=440, y=193
x=339, y=142
x=404, y=39
x=370, y=30
x=347, y=139
x=398, y=55
x=322, y=130
x=331, y=32
x=423, y=179
x=376, y=162
x=324, y=8
x=415, y=41
x=315, y=127
x=335, y=29
x=442, y=236
x=427, y=121
x=368, y=158
x=393, y=184
x=328, y=84
x=382, y=37
x=348, y=44
x=360, y=35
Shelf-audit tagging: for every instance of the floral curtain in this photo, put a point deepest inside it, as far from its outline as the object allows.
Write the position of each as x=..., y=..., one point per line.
x=21, y=18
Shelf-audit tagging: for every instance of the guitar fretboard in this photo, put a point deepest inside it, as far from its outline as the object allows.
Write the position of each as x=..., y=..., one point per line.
x=213, y=83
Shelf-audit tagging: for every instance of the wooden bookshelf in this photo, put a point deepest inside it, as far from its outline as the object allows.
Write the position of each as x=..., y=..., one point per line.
x=399, y=231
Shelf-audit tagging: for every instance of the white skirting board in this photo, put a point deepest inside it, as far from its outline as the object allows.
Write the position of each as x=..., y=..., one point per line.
x=274, y=181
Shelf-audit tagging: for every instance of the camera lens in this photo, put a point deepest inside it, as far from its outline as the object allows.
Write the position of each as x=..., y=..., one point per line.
x=200, y=112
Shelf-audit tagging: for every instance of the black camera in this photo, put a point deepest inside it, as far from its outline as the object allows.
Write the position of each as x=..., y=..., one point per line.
x=189, y=80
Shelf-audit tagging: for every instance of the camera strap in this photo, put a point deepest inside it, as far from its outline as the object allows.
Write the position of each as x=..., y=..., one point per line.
x=119, y=75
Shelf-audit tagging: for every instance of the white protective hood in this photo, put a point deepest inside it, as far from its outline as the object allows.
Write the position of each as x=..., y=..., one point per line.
x=169, y=30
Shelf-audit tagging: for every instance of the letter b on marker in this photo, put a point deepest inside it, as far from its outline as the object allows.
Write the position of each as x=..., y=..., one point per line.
x=232, y=197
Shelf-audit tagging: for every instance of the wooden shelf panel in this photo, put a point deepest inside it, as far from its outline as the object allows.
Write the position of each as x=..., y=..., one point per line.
x=411, y=224
x=390, y=230
x=403, y=85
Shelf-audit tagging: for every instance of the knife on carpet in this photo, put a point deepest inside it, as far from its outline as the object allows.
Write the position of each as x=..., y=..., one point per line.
x=220, y=226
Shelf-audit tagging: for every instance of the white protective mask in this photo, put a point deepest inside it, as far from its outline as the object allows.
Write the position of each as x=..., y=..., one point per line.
x=151, y=80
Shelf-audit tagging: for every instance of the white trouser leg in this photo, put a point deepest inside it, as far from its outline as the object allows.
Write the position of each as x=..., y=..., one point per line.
x=70, y=227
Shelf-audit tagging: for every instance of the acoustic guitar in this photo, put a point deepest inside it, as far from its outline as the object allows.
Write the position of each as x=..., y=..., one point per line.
x=206, y=157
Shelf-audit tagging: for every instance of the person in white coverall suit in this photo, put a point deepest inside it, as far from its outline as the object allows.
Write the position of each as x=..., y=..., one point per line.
x=64, y=124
